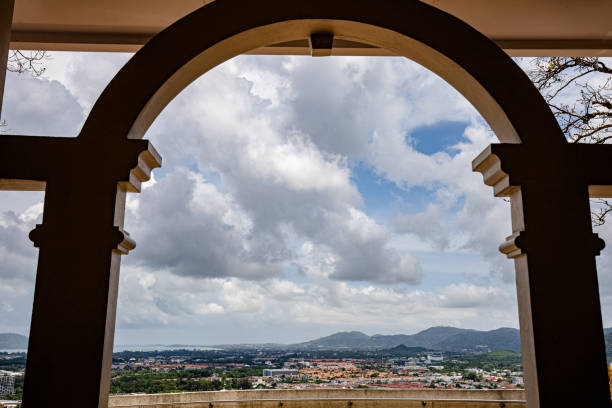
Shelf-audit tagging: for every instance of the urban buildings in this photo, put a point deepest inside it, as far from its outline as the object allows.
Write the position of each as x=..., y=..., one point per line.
x=270, y=372
x=7, y=383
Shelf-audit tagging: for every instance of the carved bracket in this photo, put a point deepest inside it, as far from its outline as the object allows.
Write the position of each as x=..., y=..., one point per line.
x=321, y=44
x=122, y=241
x=490, y=166
x=148, y=160
x=514, y=245
x=597, y=244
x=36, y=235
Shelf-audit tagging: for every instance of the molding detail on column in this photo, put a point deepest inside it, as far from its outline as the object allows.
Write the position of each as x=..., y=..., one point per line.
x=36, y=235
x=598, y=244
x=124, y=244
x=121, y=239
x=148, y=160
x=514, y=245
x=490, y=166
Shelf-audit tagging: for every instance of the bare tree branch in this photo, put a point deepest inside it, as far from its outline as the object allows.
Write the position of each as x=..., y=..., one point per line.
x=27, y=61
x=598, y=216
x=579, y=93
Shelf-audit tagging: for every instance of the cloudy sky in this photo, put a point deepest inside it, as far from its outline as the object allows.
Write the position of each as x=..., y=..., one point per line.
x=298, y=197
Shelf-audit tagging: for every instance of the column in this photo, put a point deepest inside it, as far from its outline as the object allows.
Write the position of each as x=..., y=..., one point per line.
x=73, y=318
x=554, y=249
x=80, y=243
x=6, y=20
x=558, y=294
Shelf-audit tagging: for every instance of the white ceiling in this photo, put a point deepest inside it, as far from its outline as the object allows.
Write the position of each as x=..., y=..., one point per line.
x=521, y=27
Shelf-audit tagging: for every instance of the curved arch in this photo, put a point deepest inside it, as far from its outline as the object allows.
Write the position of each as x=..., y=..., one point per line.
x=465, y=58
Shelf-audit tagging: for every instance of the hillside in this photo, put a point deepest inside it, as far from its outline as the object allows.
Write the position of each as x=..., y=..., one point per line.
x=12, y=341
x=500, y=339
x=436, y=338
x=403, y=351
x=352, y=339
x=433, y=336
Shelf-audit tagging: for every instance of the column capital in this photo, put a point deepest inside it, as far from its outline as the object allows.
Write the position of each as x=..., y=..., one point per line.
x=31, y=162
x=517, y=244
x=505, y=166
x=122, y=243
x=514, y=245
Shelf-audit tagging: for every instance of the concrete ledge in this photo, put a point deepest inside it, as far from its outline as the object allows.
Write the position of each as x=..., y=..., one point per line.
x=326, y=398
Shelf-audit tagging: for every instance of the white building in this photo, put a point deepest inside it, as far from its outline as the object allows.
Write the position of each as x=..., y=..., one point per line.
x=278, y=372
x=7, y=383
x=517, y=380
x=435, y=357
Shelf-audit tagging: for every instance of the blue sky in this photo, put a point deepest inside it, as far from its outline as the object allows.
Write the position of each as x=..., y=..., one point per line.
x=298, y=197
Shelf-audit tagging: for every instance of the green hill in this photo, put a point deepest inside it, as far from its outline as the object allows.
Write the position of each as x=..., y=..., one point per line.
x=352, y=339
x=404, y=351
x=500, y=339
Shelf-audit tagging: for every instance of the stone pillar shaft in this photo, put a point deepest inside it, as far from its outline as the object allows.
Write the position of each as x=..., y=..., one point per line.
x=554, y=249
x=558, y=292
x=73, y=317
x=6, y=21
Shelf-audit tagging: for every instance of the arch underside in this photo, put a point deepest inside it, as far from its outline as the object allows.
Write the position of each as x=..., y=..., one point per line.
x=466, y=59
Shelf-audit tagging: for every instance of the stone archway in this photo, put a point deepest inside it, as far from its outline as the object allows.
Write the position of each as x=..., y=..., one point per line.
x=86, y=179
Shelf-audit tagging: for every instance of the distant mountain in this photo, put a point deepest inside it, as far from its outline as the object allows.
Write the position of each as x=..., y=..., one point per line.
x=352, y=339
x=434, y=335
x=13, y=341
x=436, y=338
x=501, y=339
